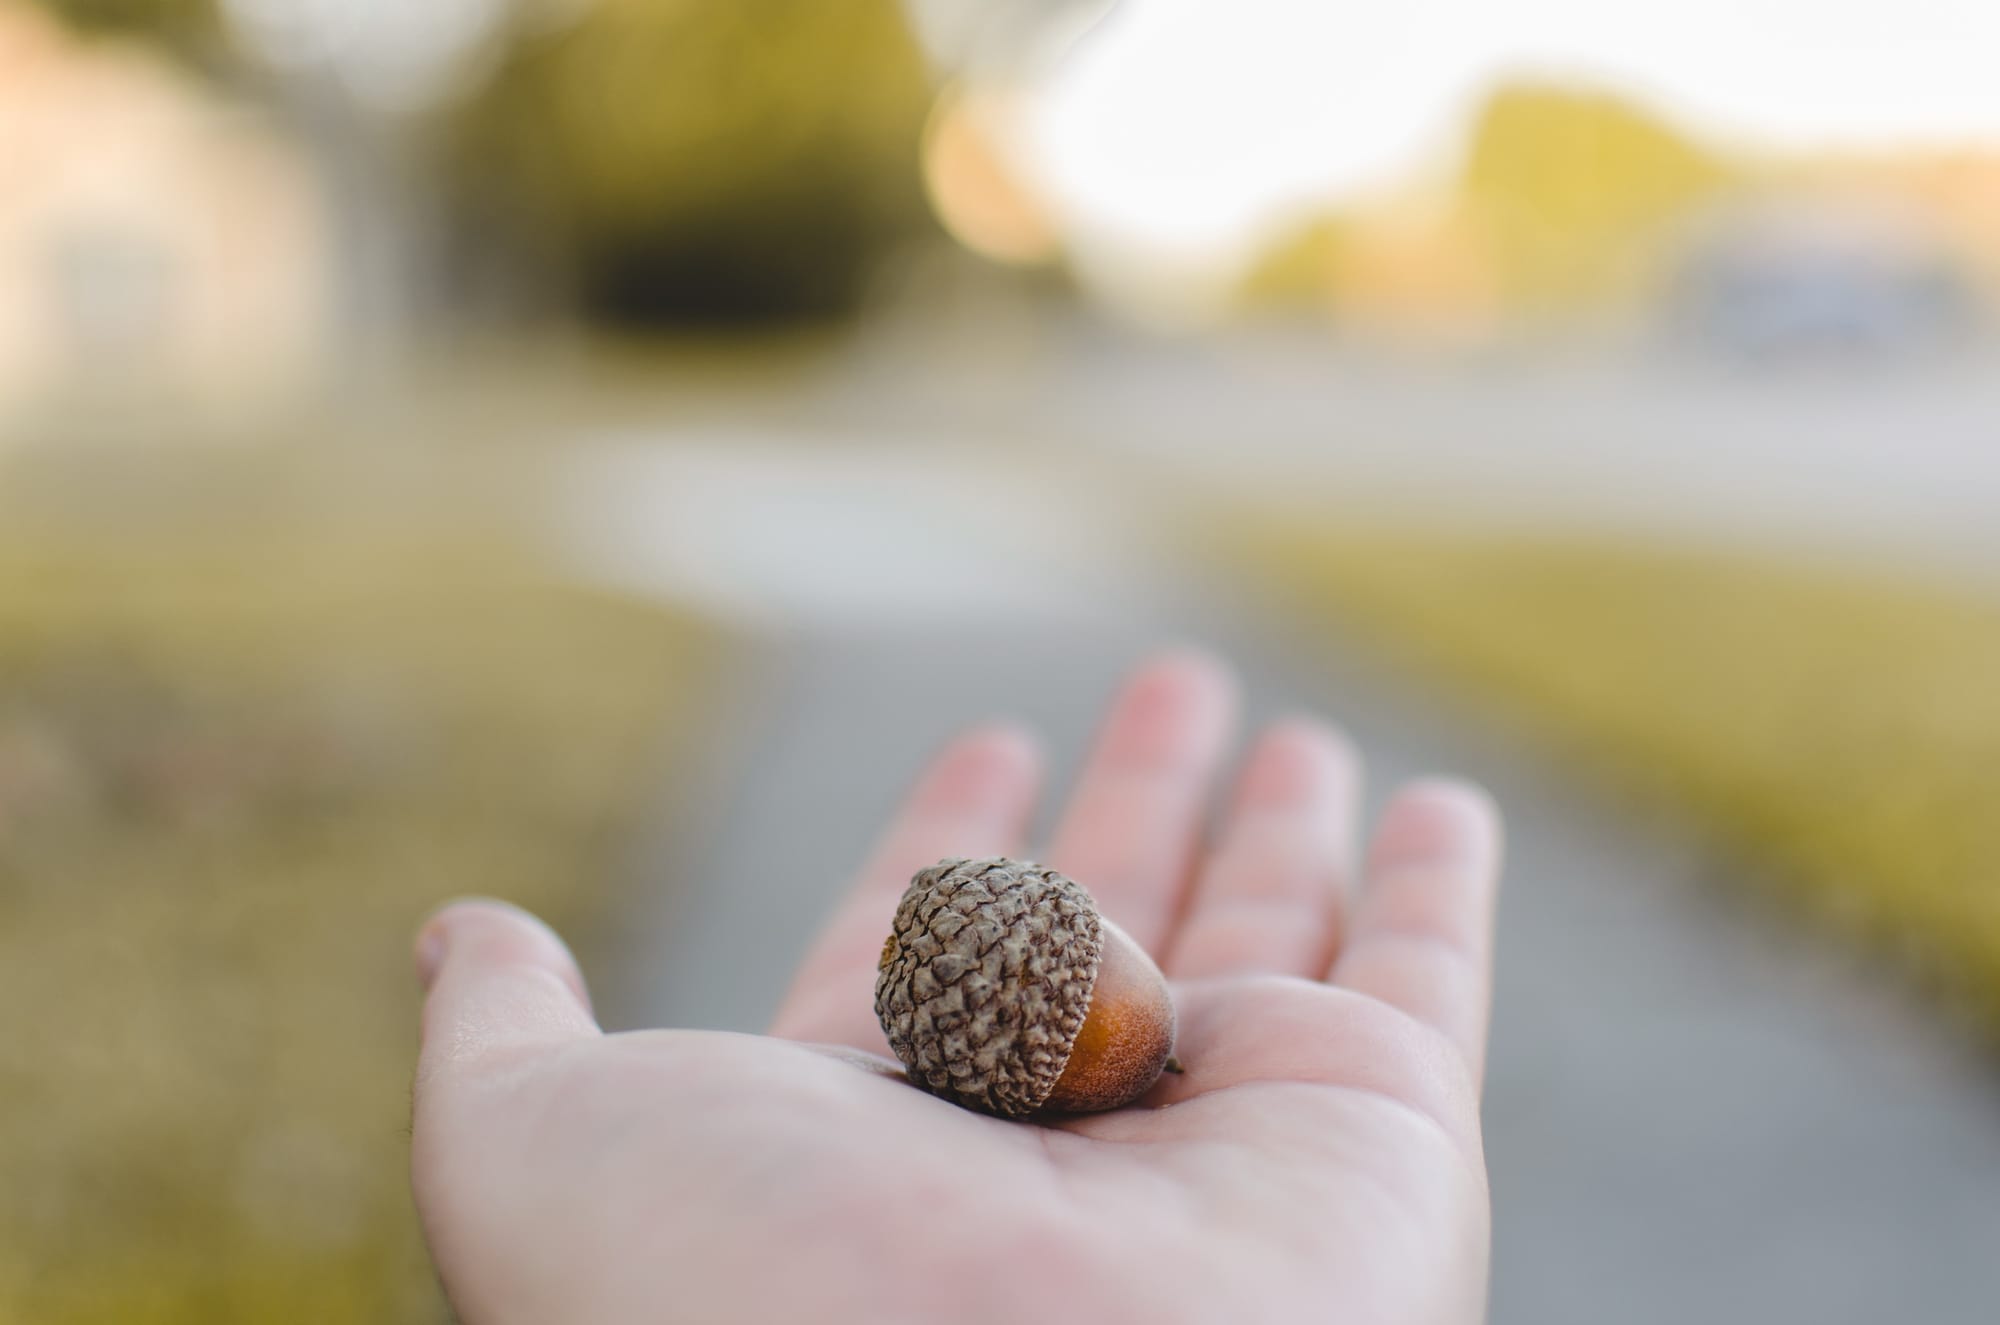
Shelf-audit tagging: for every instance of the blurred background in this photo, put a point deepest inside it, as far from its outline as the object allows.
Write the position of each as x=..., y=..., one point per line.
x=588, y=451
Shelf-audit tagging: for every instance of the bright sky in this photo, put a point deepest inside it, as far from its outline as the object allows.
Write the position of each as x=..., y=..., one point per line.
x=1180, y=129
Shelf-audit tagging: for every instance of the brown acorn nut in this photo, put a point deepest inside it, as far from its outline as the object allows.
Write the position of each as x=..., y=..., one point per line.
x=1002, y=989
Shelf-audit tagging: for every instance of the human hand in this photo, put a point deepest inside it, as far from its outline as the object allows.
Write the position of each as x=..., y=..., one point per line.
x=1319, y=1160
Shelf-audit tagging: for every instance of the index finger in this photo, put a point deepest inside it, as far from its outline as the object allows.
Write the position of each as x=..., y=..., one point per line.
x=1134, y=823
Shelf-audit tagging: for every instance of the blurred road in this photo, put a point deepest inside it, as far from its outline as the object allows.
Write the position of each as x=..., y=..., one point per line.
x=1865, y=458
x=1694, y=1113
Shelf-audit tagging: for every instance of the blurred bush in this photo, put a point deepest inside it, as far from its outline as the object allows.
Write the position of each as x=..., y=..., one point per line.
x=1843, y=727
x=1302, y=270
x=1575, y=189
x=691, y=160
x=167, y=19
x=191, y=28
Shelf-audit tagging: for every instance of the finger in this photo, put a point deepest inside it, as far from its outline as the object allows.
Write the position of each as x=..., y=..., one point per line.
x=497, y=980
x=1422, y=938
x=974, y=800
x=1135, y=821
x=1269, y=898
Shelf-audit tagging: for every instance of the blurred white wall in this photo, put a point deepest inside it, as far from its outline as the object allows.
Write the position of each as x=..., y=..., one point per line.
x=156, y=243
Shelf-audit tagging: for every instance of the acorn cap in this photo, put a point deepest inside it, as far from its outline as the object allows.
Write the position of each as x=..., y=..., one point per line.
x=986, y=980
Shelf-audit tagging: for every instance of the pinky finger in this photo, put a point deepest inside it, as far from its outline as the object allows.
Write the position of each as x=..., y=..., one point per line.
x=1422, y=935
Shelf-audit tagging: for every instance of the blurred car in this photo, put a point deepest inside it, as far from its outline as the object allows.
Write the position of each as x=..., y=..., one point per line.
x=1808, y=279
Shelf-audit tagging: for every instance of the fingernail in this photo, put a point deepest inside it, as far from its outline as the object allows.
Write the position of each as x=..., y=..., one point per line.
x=430, y=955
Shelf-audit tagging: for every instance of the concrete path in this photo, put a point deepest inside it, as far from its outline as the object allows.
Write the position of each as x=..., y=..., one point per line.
x=1875, y=459
x=1694, y=1114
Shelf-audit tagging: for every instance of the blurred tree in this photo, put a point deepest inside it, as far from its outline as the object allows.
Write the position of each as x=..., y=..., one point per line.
x=698, y=160
x=192, y=28
x=1409, y=266
x=1301, y=271
x=1570, y=186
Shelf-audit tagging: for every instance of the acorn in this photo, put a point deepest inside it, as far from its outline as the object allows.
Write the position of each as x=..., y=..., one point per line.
x=1001, y=988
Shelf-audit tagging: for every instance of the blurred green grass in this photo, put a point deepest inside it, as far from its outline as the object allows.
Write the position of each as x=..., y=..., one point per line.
x=241, y=755
x=1841, y=727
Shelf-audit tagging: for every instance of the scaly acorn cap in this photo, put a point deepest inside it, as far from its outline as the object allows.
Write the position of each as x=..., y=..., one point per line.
x=1002, y=989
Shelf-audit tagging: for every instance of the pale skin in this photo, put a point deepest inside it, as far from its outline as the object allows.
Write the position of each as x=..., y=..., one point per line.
x=1320, y=1160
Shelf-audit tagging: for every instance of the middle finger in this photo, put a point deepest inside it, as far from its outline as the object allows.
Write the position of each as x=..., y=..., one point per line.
x=1135, y=821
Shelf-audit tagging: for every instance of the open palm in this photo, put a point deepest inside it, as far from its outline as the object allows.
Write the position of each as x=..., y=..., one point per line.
x=1319, y=1161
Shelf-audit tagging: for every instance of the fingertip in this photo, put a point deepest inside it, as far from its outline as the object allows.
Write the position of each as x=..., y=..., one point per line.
x=1459, y=790
x=1296, y=759
x=996, y=761
x=482, y=932
x=429, y=953
x=1178, y=706
x=1470, y=804
x=1438, y=817
x=1187, y=672
x=1002, y=746
x=1313, y=730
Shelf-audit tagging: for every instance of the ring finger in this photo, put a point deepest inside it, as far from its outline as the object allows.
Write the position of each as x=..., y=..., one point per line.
x=1269, y=898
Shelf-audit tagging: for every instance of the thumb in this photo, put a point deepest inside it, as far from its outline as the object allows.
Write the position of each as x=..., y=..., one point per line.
x=496, y=980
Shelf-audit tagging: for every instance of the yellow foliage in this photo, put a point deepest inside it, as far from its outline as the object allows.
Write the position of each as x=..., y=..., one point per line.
x=1841, y=727
x=1572, y=187
x=1420, y=272
x=1411, y=269
x=1301, y=269
x=239, y=759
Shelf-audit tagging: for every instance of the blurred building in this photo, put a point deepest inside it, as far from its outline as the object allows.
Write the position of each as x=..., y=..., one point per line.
x=157, y=243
